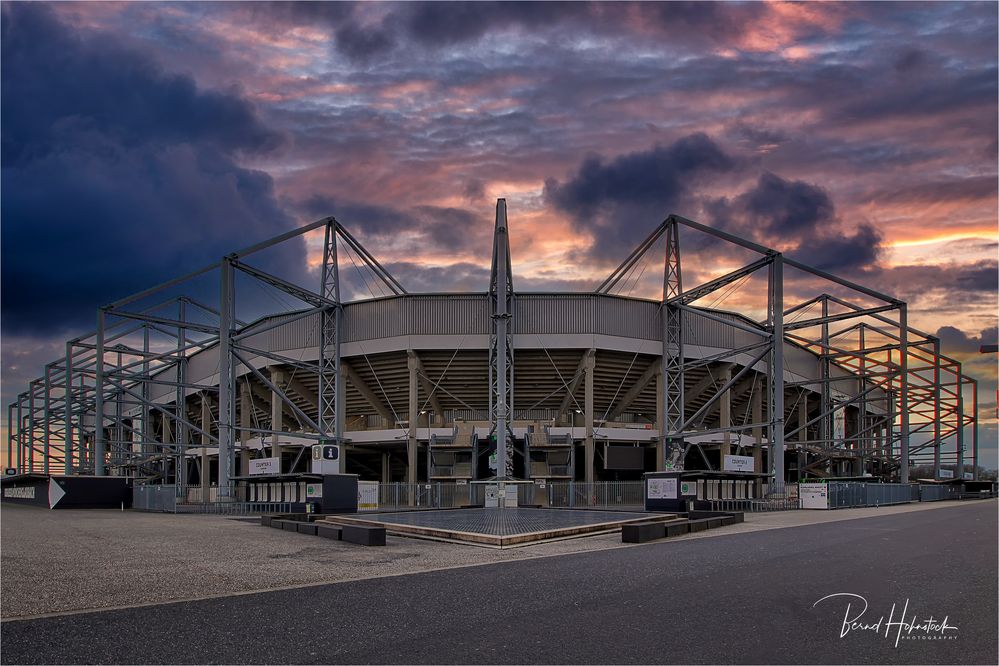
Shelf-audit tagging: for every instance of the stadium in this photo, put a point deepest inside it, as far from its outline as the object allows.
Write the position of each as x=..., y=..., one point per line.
x=454, y=388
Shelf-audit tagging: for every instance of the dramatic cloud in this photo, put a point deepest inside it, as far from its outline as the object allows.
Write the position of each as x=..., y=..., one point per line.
x=954, y=340
x=116, y=175
x=614, y=200
x=143, y=139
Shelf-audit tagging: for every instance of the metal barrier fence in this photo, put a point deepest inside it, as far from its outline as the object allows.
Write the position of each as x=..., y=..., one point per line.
x=235, y=508
x=155, y=498
x=846, y=494
x=757, y=505
x=934, y=493
x=599, y=495
x=395, y=496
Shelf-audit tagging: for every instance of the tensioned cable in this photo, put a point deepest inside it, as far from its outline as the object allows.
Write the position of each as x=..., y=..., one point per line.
x=557, y=372
x=623, y=380
x=446, y=368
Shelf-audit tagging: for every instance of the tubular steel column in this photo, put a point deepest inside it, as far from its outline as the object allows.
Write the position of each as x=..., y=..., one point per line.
x=501, y=348
x=825, y=425
x=10, y=435
x=277, y=417
x=20, y=433
x=672, y=350
x=31, y=426
x=180, y=405
x=589, y=447
x=99, y=443
x=936, y=408
x=227, y=378
x=47, y=420
x=146, y=429
x=414, y=407
x=959, y=470
x=974, y=429
x=903, y=364
x=776, y=371
x=330, y=381
x=68, y=411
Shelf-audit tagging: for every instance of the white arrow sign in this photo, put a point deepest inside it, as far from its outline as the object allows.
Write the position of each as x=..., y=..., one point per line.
x=56, y=493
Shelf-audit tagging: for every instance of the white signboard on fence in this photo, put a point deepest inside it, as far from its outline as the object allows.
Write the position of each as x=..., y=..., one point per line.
x=367, y=495
x=662, y=488
x=813, y=495
x=968, y=476
x=946, y=474
x=738, y=464
x=265, y=466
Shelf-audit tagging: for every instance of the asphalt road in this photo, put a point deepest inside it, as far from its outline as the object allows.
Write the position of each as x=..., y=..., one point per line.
x=742, y=598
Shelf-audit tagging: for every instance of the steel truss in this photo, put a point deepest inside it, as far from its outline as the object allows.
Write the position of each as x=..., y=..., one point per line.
x=897, y=372
x=121, y=400
x=114, y=371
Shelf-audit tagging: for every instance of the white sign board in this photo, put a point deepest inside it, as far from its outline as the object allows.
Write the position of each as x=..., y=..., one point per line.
x=813, y=495
x=662, y=488
x=313, y=491
x=968, y=476
x=325, y=459
x=688, y=488
x=265, y=466
x=738, y=464
x=367, y=495
x=946, y=474
x=839, y=425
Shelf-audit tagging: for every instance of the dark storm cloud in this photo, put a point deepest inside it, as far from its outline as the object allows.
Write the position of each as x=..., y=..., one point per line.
x=117, y=175
x=800, y=218
x=462, y=277
x=439, y=227
x=780, y=207
x=954, y=340
x=617, y=200
x=441, y=23
x=968, y=283
x=653, y=177
x=839, y=252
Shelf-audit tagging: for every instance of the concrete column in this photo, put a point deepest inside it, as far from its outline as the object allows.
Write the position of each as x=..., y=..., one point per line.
x=725, y=418
x=414, y=408
x=386, y=469
x=277, y=416
x=660, y=422
x=588, y=444
x=206, y=425
x=803, y=433
x=166, y=438
x=756, y=404
x=245, y=422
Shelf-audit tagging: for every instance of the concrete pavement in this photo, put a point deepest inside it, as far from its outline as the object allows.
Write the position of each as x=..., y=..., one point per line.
x=742, y=597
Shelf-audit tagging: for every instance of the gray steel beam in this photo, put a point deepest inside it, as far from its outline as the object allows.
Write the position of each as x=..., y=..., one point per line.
x=776, y=371
x=227, y=379
x=501, y=344
x=903, y=334
x=330, y=396
x=99, y=441
x=673, y=357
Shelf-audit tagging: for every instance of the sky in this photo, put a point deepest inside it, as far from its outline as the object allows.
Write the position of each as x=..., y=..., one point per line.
x=140, y=141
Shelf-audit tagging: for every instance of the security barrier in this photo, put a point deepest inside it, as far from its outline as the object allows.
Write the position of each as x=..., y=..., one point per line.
x=848, y=494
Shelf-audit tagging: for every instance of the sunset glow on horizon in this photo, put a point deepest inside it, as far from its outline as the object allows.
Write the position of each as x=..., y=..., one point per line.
x=144, y=140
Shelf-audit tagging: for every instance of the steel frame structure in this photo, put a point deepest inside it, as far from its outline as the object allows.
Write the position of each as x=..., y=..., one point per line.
x=91, y=412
